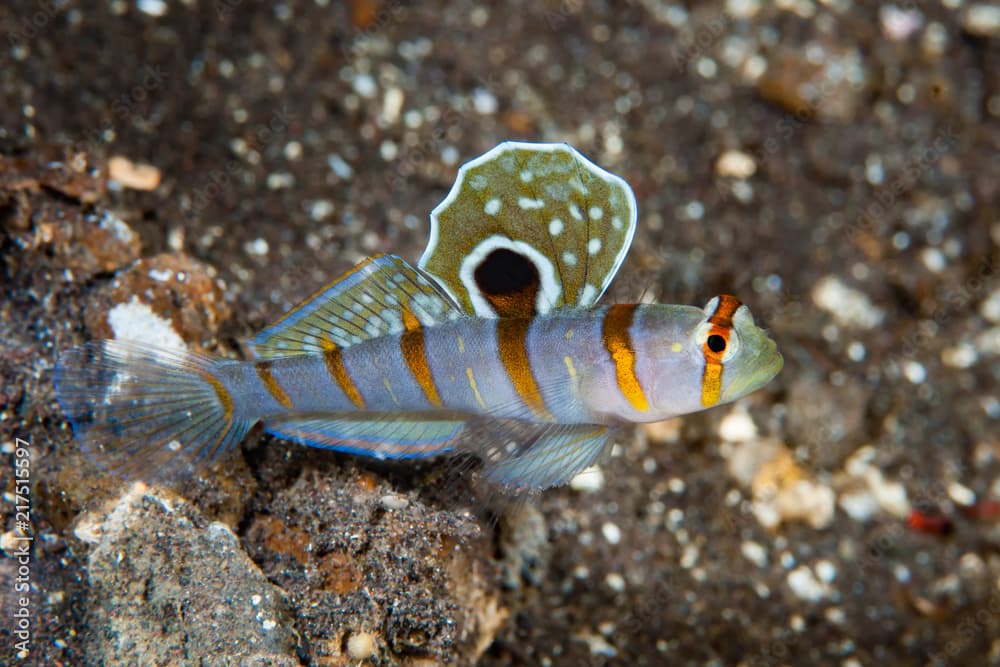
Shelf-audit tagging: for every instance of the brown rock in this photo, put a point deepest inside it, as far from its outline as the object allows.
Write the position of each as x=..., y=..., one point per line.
x=48, y=208
x=830, y=91
x=77, y=175
x=419, y=582
x=165, y=582
x=176, y=287
x=86, y=243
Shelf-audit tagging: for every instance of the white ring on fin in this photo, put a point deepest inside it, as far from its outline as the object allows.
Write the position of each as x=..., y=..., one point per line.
x=508, y=146
x=550, y=287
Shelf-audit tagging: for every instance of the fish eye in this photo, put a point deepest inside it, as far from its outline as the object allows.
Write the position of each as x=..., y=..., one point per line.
x=716, y=343
x=725, y=346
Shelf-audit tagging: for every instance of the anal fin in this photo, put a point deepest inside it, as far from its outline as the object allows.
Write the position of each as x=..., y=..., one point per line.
x=380, y=435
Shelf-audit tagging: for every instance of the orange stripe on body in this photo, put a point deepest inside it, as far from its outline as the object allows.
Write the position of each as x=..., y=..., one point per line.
x=512, y=335
x=223, y=395
x=722, y=324
x=618, y=343
x=263, y=369
x=227, y=410
x=333, y=357
x=411, y=344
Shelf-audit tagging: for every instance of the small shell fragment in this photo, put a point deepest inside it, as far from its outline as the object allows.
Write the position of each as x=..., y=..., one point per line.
x=134, y=175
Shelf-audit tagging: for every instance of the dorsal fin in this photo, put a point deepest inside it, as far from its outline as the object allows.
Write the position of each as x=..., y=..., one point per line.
x=373, y=299
x=527, y=228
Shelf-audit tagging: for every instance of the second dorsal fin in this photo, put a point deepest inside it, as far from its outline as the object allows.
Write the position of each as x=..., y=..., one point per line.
x=528, y=228
x=379, y=296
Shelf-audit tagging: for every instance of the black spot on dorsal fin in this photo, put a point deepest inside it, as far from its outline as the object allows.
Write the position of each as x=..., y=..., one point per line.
x=510, y=282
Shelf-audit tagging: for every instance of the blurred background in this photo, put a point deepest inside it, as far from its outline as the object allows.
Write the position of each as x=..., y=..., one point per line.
x=196, y=167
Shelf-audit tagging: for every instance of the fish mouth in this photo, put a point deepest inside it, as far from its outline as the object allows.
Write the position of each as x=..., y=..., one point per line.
x=760, y=370
x=775, y=361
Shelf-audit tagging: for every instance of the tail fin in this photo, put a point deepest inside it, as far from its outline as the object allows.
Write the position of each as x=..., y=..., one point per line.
x=145, y=411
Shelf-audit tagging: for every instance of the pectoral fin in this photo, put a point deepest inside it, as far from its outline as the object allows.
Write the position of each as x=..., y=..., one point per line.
x=520, y=455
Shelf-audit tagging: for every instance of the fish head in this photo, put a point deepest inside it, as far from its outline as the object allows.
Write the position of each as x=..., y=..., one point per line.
x=700, y=358
x=751, y=358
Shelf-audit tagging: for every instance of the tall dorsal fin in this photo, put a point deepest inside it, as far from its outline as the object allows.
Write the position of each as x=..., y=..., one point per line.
x=375, y=298
x=527, y=228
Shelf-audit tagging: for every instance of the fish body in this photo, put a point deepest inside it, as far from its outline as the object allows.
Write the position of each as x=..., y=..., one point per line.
x=474, y=365
x=493, y=346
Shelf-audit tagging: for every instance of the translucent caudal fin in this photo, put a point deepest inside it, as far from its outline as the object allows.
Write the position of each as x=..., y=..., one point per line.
x=145, y=411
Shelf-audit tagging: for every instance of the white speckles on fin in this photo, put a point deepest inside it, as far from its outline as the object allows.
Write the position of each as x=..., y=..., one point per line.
x=362, y=304
x=478, y=182
x=557, y=192
x=578, y=185
x=547, y=197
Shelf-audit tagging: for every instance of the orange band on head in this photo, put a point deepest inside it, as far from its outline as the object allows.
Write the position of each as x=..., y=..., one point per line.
x=711, y=384
x=723, y=316
x=722, y=324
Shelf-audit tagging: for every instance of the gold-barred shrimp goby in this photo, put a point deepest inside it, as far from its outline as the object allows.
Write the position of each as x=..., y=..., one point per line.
x=497, y=331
